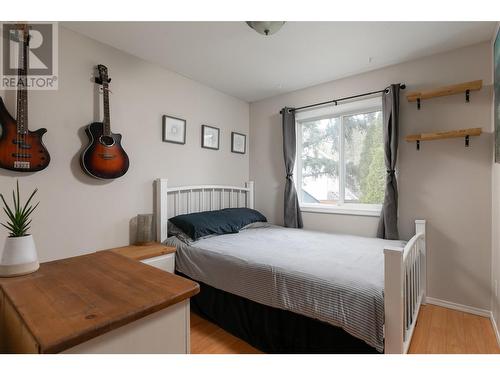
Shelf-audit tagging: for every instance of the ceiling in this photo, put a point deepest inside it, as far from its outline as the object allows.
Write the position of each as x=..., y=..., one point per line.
x=232, y=58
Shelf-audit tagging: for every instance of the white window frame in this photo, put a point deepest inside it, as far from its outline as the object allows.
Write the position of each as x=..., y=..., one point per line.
x=341, y=110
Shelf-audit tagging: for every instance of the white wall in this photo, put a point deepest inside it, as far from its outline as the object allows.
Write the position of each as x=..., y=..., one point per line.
x=445, y=183
x=79, y=214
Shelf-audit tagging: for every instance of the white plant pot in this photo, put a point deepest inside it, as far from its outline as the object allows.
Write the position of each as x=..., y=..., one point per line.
x=19, y=256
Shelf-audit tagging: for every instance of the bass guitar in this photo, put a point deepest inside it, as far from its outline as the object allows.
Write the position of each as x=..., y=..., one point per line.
x=21, y=150
x=104, y=157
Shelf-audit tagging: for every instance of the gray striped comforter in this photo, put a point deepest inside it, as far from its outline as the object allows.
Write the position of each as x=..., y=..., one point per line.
x=338, y=279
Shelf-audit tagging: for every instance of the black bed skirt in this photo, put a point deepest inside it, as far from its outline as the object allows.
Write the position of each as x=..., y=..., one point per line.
x=273, y=330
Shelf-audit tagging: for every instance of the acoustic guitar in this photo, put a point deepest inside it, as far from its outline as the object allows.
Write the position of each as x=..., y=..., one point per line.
x=104, y=158
x=21, y=149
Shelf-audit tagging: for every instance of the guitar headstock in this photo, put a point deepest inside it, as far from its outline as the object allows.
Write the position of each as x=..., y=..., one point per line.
x=103, y=75
x=22, y=34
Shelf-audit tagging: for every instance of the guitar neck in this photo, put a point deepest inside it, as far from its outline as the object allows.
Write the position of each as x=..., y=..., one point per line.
x=106, y=121
x=22, y=85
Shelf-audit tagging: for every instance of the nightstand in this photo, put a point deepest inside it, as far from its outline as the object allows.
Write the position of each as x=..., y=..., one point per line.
x=154, y=254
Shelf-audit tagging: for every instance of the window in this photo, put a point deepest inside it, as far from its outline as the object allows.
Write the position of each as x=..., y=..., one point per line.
x=340, y=159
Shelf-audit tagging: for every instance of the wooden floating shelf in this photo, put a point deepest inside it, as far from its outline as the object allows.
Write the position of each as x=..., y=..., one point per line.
x=461, y=133
x=465, y=133
x=460, y=88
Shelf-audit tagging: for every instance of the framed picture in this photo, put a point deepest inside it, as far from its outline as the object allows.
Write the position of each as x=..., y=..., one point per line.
x=496, y=86
x=238, y=143
x=210, y=137
x=174, y=130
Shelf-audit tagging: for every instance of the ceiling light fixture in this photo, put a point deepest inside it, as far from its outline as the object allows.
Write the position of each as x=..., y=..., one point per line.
x=266, y=27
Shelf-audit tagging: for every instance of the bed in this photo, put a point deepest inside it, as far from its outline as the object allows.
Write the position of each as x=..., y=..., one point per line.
x=292, y=290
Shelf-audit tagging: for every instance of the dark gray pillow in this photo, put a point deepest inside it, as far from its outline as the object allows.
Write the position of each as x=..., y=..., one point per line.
x=228, y=220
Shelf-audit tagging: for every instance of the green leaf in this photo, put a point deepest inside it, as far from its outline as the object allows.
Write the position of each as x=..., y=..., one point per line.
x=7, y=206
x=9, y=226
x=25, y=225
x=9, y=214
x=29, y=200
x=12, y=232
x=27, y=214
x=18, y=196
x=18, y=215
x=14, y=200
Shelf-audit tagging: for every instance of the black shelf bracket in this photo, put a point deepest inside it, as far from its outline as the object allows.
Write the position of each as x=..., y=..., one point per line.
x=418, y=103
x=418, y=145
x=467, y=141
x=98, y=80
x=467, y=96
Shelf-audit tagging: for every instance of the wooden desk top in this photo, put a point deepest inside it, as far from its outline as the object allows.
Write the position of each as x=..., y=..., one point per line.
x=141, y=252
x=69, y=301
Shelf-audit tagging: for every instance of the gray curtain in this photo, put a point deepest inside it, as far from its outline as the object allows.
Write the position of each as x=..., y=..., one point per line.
x=293, y=216
x=388, y=224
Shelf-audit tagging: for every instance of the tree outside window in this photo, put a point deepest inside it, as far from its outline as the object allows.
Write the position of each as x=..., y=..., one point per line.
x=342, y=159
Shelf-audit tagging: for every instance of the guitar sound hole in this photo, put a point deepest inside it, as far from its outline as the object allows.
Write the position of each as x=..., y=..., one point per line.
x=106, y=140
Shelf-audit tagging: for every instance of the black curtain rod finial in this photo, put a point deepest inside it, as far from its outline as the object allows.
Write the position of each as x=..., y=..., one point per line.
x=288, y=109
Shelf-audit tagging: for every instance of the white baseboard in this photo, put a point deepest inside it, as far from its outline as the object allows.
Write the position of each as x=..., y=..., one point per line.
x=459, y=307
x=495, y=328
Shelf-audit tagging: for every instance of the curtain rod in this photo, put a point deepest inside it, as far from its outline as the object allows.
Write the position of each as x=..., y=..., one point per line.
x=401, y=85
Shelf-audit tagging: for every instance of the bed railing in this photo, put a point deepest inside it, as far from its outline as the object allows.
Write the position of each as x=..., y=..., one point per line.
x=404, y=290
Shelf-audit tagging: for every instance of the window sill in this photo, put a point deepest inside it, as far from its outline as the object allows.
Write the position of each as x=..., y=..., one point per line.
x=347, y=209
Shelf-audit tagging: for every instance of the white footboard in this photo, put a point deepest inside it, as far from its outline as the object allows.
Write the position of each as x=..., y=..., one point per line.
x=404, y=290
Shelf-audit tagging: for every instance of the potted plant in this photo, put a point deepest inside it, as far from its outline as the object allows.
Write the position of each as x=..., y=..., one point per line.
x=19, y=255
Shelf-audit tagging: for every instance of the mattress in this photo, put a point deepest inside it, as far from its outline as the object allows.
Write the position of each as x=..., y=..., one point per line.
x=337, y=279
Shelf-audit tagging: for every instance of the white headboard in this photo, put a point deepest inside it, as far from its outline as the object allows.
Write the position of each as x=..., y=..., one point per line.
x=172, y=201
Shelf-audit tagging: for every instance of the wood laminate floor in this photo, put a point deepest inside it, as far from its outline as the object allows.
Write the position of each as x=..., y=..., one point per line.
x=438, y=331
